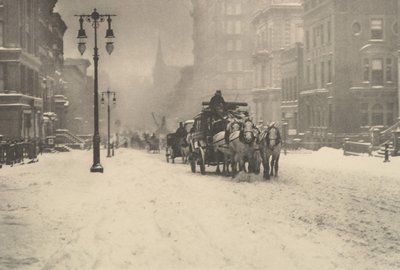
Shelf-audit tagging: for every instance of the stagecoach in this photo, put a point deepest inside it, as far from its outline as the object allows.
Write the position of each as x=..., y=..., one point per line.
x=201, y=137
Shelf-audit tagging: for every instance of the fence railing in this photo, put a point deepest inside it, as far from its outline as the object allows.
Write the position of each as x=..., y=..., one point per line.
x=356, y=148
x=17, y=152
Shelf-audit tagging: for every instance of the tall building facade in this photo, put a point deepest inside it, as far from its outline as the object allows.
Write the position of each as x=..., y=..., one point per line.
x=350, y=66
x=51, y=29
x=222, y=49
x=278, y=26
x=292, y=83
x=31, y=59
x=20, y=94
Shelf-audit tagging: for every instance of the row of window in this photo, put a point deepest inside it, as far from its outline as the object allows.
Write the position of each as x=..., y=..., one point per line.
x=289, y=89
x=234, y=83
x=234, y=45
x=234, y=65
x=309, y=4
x=29, y=80
x=233, y=9
x=325, y=76
x=318, y=35
x=376, y=115
x=377, y=71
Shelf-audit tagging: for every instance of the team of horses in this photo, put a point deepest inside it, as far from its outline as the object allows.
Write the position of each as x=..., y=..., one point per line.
x=239, y=143
x=247, y=144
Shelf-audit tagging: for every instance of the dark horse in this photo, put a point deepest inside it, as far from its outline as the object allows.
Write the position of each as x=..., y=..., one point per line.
x=270, y=146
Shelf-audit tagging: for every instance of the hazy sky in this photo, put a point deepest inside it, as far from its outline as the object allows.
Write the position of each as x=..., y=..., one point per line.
x=136, y=27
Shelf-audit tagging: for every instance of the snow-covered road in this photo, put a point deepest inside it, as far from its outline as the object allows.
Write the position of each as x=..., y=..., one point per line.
x=325, y=211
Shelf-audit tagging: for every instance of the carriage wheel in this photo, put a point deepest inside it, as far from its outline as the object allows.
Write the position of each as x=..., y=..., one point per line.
x=172, y=155
x=193, y=165
x=202, y=162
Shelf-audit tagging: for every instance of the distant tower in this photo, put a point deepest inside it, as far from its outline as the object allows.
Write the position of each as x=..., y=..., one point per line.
x=159, y=69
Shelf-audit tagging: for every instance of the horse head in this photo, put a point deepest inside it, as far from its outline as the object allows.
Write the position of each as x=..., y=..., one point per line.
x=273, y=136
x=248, y=131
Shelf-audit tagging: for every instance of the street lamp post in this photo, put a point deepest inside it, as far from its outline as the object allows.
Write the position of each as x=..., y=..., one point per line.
x=95, y=18
x=108, y=93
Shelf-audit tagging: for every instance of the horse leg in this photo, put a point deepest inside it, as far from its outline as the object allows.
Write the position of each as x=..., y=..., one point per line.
x=266, y=167
x=272, y=165
x=217, y=160
x=276, y=165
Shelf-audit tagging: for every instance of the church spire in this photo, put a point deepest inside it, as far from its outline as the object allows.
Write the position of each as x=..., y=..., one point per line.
x=160, y=57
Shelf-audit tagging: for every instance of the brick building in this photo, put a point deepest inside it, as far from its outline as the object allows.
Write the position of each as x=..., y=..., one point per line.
x=51, y=52
x=350, y=67
x=277, y=26
x=222, y=49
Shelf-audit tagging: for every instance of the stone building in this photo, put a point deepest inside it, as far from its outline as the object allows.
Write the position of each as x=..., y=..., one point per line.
x=292, y=83
x=20, y=94
x=350, y=67
x=222, y=49
x=278, y=26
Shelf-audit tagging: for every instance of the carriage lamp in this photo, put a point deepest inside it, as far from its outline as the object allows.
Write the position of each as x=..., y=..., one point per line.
x=102, y=98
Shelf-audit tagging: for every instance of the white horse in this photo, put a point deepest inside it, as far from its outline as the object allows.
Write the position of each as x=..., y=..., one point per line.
x=270, y=147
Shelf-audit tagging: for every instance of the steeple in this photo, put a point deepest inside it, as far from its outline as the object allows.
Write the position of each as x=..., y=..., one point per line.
x=160, y=57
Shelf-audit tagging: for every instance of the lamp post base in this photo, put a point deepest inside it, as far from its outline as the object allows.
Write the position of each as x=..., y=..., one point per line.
x=97, y=168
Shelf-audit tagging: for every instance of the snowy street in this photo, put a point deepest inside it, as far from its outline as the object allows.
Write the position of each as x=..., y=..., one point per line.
x=325, y=211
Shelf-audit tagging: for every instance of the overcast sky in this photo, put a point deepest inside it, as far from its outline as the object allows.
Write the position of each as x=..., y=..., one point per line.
x=136, y=27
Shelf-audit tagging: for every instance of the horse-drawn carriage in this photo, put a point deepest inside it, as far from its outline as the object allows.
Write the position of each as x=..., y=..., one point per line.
x=205, y=137
x=178, y=146
x=172, y=150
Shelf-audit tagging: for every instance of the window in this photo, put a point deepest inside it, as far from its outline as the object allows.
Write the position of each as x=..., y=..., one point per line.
x=315, y=73
x=230, y=65
x=376, y=29
x=377, y=115
x=229, y=45
x=364, y=114
x=308, y=75
x=238, y=9
x=307, y=41
x=366, y=70
x=322, y=74
x=239, y=64
x=240, y=83
x=389, y=70
x=356, y=28
x=229, y=9
x=229, y=28
x=329, y=71
x=377, y=72
x=238, y=45
x=330, y=116
x=390, y=114
x=2, y=77
x=1, y=34
x=314, y=37
x=322, y=34
x=395, y=28
x=229, y=84
x=238, y=27
x=329, y=28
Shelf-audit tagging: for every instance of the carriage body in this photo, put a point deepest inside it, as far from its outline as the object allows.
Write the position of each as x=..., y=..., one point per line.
x=202, y=146
x=172, y=150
